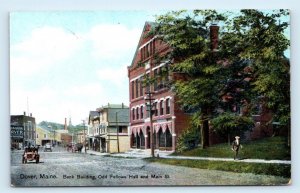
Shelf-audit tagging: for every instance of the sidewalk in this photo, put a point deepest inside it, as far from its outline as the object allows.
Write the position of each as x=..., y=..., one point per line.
x=136, y=153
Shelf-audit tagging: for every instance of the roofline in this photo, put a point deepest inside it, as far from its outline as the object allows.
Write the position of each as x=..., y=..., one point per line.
x=141, y=37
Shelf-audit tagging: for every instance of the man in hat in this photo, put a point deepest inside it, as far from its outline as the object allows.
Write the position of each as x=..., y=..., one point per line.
x=236, y=146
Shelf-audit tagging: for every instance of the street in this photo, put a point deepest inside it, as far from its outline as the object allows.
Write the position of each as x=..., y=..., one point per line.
x=62, y=168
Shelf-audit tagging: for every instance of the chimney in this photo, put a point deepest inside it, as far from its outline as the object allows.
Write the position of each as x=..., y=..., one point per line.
x=214, y=37
x=24, y=113
x=66, y=128
x=122, y=105
x=30, y=114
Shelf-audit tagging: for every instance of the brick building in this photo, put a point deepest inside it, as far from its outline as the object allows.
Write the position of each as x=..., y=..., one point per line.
x=168, y=119
x=23, y=131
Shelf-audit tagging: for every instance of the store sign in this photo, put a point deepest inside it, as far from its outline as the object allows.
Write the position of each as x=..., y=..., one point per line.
x=16, y=132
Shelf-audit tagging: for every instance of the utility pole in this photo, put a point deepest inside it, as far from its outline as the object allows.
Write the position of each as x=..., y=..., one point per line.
x=83, y=122
x=149, y=100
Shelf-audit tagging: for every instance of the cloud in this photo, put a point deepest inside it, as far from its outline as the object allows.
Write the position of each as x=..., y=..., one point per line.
x=114, y=75
x=45, y=46
x=98, y=58
x=113, y=41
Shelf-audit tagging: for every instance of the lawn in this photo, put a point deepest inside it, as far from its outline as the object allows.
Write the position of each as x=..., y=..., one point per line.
x=272, y=148
x=283, y=170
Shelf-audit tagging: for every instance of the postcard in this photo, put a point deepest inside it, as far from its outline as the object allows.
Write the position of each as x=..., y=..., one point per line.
x=150, y=98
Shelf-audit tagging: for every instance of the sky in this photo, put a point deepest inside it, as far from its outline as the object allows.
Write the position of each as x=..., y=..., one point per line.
x=65, y=64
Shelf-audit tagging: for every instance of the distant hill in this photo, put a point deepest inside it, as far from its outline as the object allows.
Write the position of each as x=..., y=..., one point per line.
x=55, y=126
x=58, y=126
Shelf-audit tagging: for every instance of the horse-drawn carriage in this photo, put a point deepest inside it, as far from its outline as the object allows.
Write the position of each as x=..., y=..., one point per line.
x=31, y=154
x=75, y=147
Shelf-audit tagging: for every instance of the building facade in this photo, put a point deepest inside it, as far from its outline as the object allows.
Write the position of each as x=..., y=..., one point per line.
x=23, y=131
x=43, y=136
x=93, y=131
x=169, y=120
x=111, y=129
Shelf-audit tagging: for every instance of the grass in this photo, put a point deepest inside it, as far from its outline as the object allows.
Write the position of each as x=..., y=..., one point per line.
x=282, y=170
x=267, y=148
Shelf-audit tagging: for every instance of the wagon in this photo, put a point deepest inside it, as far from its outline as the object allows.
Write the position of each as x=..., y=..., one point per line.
x=30, y=154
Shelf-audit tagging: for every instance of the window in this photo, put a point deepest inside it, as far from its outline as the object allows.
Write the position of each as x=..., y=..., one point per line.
x=132, y=90
x=161, y=107
x=167, y=73
x=155, y=76
x=148, y=85
x=147, y=51
x=137, y=113
x=37, y=135
x=168, y=106
x=142, y=112
x=136, y=88
x=153, y=47
x=133, y=115
x=160, y=81
x=45, y=136
x=141, y=87
x=155, y=109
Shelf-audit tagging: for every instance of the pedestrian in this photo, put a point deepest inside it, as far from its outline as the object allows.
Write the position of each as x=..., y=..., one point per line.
x=236, y=146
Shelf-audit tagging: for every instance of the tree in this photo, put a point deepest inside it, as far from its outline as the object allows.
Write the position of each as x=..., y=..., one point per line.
x=264, y=44
x=197, y=69
x=248, y=65
x=229, y=124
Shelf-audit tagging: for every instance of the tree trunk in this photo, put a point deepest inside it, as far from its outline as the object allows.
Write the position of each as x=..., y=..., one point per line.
x=205, y=134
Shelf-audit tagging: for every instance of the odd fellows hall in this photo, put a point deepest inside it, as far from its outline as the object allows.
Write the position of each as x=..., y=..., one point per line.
x=168, y=120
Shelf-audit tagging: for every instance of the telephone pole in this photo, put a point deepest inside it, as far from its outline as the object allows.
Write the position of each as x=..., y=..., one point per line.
x=149, y=100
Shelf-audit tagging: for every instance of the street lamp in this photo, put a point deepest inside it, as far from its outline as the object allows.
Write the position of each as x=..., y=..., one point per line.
x=149, y=100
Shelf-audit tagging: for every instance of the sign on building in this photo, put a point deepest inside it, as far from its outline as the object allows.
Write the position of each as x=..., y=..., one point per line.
x=17, y=132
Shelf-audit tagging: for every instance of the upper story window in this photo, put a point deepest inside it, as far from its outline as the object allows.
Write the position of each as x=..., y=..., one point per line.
x=148, y=50
x=132, y=90
x=133, y=114
x=141, y=87
x=137, y=113
x=142, y=112
x=168, y=105
x=155, y=109
x=136, y=88
x=161, y=108
x=156, y=82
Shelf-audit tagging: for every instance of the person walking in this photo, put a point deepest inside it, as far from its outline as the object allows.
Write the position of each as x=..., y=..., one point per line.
x=236, y=146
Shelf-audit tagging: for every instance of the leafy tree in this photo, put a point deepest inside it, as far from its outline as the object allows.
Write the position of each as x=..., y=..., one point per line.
x=229, y=124
x=248, y=66
x=196, y=63
x=264, y=44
